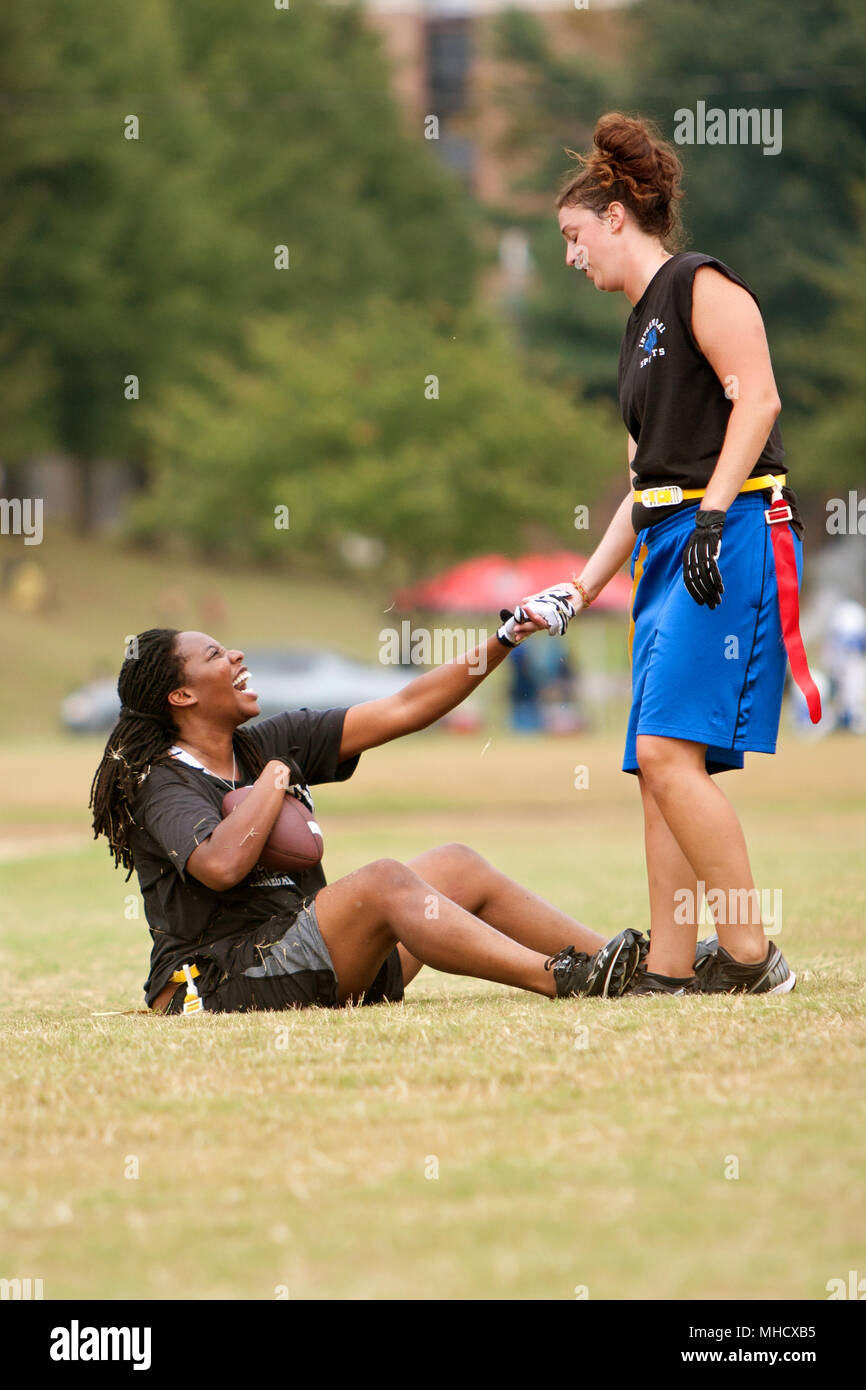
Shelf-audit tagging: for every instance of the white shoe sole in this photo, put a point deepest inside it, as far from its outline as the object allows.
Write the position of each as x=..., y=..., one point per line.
x=785, y=987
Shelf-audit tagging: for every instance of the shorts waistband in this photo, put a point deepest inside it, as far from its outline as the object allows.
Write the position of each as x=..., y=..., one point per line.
x=671, y=495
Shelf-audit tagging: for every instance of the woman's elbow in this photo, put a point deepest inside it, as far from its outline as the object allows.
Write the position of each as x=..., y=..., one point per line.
x=219, y=881
x=216, y=872
x=767, y=408
x=767, y=399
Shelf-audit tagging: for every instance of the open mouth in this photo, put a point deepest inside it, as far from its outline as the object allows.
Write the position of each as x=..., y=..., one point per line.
x=241, y=682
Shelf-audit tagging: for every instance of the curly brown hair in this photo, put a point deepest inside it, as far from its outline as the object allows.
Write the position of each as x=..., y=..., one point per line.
x=630, y=164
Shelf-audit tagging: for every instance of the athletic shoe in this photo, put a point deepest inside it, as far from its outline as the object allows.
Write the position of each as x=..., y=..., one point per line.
x=724, y=975
x=704, y=952
x=645, y=982
x=605, y=974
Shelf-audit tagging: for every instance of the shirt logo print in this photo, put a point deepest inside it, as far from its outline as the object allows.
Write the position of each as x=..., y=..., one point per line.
x=649, y=340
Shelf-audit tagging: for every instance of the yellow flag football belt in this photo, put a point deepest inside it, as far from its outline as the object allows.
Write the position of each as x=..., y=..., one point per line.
x=670, y=496
x=193, y=1002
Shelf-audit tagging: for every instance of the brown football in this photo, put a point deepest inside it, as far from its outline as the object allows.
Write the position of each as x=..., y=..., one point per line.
x=295, y=842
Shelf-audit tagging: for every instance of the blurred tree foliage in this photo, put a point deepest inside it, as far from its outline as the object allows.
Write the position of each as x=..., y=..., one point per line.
x=550, y=100
x=834, y=437
x=306, y=147
x=436, y=443
x=787, y=222
x=156, y=258
x=101, y=239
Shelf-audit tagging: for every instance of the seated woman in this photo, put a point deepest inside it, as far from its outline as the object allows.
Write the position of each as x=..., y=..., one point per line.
x=261, y=939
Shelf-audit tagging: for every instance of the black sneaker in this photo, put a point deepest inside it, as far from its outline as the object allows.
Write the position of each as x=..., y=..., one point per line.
x=644, y=982
x=704, y=952
x=724, y=975
x=605, y=974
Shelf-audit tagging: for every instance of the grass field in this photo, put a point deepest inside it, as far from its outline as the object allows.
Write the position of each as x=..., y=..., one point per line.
x=580, y=1145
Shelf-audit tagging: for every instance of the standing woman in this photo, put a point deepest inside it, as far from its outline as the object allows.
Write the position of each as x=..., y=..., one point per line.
x=707, y=504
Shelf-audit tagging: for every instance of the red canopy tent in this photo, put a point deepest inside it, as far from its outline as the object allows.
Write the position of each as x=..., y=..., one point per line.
x=490, y=582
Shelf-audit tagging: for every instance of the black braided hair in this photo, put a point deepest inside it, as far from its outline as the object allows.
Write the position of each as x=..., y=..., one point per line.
x=142, y=737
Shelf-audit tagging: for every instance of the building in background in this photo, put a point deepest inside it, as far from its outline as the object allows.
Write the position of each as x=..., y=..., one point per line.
x=442, y=59
x=444, y=65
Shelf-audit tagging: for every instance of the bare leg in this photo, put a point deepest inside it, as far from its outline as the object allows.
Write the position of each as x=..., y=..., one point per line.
x=464, y=876
x=363, y=916
x=707, y=830
x=672, y=944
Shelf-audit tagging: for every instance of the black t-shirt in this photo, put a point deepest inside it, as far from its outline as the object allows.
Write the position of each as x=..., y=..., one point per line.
x=178, y=806
x=673, y=404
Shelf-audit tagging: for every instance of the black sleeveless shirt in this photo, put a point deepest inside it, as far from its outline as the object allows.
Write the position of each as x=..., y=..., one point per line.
x=672, y=402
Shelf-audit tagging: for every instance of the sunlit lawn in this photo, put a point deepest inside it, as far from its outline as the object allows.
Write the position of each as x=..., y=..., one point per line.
x=476, y=1142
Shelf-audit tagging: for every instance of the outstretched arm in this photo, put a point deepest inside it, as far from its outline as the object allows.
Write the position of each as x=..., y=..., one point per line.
x=423, y=700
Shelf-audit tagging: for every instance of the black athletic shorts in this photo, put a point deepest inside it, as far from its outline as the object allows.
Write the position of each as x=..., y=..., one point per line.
x=294, y=972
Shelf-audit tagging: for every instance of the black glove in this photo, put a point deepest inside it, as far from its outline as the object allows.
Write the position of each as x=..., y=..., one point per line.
x=700, y=572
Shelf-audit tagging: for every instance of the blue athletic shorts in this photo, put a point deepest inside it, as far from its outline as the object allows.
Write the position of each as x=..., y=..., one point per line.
x=710, y=676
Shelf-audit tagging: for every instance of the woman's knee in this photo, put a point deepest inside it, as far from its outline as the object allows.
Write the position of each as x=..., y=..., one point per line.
x=389, y=876
x=650, y=757
x=662, y=759
x=463, y=857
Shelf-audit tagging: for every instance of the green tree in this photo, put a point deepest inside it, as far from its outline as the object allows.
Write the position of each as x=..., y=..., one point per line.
x=432, y=439
x=551, y=100
x=833, y=438
x=785, y=220
x=137, y=257
x=307, y=150
x=100, y=247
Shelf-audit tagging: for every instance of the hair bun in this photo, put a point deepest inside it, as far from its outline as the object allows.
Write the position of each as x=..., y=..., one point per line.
x=630, y=163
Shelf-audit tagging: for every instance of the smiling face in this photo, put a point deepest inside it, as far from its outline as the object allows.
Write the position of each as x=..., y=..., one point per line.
x=216, y=683
x=593, y=243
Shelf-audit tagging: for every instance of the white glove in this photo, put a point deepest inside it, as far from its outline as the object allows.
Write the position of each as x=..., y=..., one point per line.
x=554, y=607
